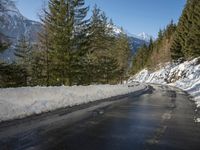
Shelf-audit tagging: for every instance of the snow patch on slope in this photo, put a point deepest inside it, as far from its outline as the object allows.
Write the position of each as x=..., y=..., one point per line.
x=22, y=102
x=183, y=75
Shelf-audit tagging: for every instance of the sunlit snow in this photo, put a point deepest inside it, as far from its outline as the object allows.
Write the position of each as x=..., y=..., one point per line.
x=22, y=102
x=185, y=76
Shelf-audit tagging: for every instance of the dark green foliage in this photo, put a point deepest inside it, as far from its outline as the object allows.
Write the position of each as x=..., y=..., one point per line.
x=101, y=50
x=12, y=75
x=186, y=43
x=66, y=27
x=71, y=50
x=122, y=53
x=23, y=57
x=100, y=33
x=170, y=29
x=176, y=49
x=140, y=59
x=160, y=35
x=107, y=70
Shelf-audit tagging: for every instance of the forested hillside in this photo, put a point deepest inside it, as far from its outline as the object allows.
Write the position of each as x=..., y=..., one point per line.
x=71, y=50
x=174, y=43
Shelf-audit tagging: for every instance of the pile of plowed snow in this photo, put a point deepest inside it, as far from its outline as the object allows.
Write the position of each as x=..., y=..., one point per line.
x=22, y=102
x=183, y=75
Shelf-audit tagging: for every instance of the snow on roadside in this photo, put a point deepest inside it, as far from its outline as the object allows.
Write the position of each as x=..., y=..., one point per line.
x=185, y=76
x=22, y=102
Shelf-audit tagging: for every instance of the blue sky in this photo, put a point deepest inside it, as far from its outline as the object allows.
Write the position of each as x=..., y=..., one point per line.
x=135, y=16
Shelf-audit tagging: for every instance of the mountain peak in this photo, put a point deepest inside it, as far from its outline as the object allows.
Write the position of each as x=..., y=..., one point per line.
x=9, y=5
x=15, y=25
x=144, y=36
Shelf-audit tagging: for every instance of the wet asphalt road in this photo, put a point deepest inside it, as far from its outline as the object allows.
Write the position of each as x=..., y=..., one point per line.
x=160, y=119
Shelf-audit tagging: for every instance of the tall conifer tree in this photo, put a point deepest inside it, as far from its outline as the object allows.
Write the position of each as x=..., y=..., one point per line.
x=66, y=26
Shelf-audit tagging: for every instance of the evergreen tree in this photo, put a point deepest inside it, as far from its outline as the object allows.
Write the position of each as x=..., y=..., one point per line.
x=101, y=44
x=170, y=29
x=43, y=58
x=160, y=35
x=101, y=33
x=80, y=42
x=23, y=57
x=176, y=49
x=67, y=30
x=12, y=75
x=107, y=69
x=193, y=39
x=188, y=31
x=38, y=69
x=140, y=59
x=122, y=52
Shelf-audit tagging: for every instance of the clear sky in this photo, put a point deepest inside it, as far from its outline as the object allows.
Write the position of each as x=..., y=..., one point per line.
x=135, y=16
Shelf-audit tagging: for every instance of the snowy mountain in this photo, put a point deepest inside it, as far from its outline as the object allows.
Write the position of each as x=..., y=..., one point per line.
x=144, y=36
x=135, y=41
x=15, y=25
x=116, y=29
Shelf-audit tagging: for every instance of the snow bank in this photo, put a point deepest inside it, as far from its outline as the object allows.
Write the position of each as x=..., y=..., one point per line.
x=185, y=76
x=22, y=102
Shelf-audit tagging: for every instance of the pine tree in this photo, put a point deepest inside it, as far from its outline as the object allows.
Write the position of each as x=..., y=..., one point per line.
x=100, y=33
x=122, y=52
x=80, y=42
x=176, y=49
x=193, y=39
x=183, y=30
x=67, y=30
x=160, y=35
x=23, y=56
x=102, y=41
x=140, y=60
x=38, y=69
x=43, y=59
x=107, y=69
x=12, y=75
x=170, y=29
x=188, y=31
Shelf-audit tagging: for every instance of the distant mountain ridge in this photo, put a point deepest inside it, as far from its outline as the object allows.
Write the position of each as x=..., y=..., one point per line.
x=15, y=25
x=136, y=41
